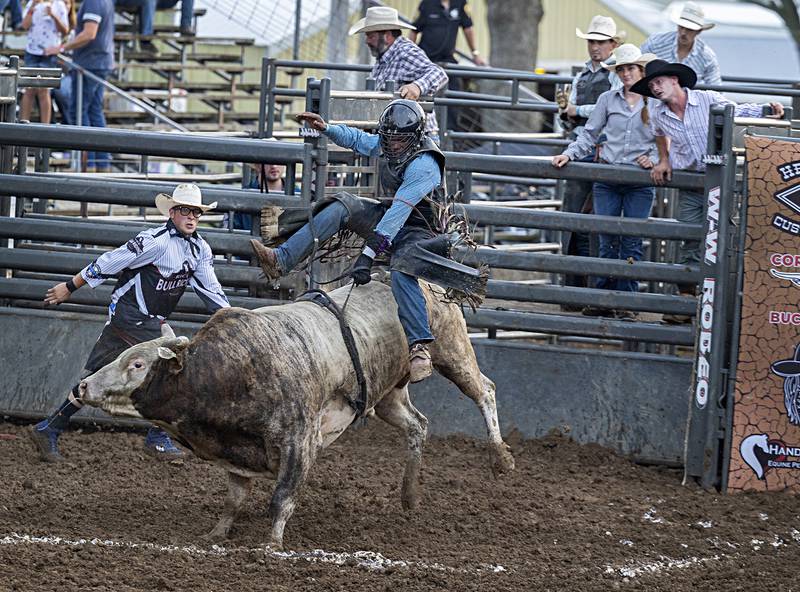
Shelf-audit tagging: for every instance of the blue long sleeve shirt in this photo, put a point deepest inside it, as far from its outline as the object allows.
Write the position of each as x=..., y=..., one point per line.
x=421, y=176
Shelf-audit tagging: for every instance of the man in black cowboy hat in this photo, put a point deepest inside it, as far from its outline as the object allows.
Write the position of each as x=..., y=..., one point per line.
x=681, y=114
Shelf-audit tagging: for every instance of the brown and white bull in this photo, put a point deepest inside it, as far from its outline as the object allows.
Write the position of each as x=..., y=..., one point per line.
x=261, y=392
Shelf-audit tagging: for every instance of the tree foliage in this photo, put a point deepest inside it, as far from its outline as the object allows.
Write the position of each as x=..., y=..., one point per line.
x=787, y=10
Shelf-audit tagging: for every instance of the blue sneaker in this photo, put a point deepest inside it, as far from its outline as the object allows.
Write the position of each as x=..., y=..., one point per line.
x=45, y=439
x=159, y=445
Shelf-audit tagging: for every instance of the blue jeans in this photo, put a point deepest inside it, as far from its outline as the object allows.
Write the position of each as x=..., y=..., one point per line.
x=16, y=11
x=146, y=10
x=690, y=210
x=410, y=302
x=63, y=98
x=632, y=202
x=91, y=112
x=187, y=10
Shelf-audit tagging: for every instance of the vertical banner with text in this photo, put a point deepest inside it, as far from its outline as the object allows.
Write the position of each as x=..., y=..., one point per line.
x=765, y=442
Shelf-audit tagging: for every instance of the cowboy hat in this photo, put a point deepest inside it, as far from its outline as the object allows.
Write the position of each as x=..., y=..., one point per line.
x=655, y=68
x=185, y=194
x=379, y=18
x=627, y=54
x=692, y=17
x=787, y=368
x=602, y=28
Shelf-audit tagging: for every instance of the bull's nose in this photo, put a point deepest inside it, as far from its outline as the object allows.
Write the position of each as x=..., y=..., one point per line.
x=82, y=389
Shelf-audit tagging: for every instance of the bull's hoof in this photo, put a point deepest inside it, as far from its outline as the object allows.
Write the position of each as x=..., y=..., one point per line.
x=409, y=503
x=503, y=460
x=215, y=536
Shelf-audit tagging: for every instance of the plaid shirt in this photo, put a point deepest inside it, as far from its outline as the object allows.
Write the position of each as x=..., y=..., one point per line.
x=405, y=62
x=701, y=59
x=689, y=136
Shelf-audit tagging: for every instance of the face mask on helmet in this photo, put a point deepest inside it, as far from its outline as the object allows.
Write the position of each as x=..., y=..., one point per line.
x=401, y=127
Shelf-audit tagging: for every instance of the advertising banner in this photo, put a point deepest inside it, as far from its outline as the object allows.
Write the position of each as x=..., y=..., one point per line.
x=765, y=447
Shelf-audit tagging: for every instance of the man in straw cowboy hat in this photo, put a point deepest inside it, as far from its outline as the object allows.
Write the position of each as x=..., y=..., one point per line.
x=683, y=45
x=679, y=120
x=587, y=86
x=152, y=271
x=399, y=59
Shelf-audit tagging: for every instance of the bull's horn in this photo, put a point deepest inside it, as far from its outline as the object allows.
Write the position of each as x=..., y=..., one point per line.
x=166, y=331
x=176, y=344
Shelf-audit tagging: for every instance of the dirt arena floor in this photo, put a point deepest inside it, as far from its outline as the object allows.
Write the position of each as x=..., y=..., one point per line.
x=570, y=518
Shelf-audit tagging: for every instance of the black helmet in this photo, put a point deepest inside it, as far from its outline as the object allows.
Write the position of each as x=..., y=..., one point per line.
x=401, y=128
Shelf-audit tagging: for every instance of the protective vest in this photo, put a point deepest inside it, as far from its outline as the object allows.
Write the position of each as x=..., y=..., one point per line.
x=390, y=178
x=589, y=88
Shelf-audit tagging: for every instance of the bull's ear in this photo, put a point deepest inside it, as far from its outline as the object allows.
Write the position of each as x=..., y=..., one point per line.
x=166, y=331
x=166, y=354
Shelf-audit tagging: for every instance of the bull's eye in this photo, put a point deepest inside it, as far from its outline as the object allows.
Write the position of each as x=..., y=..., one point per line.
x=138, y=365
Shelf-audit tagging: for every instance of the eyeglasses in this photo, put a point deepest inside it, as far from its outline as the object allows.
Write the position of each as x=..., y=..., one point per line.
x=186, y=210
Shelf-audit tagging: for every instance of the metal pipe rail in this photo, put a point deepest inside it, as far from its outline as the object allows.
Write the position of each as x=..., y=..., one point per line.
x=509, y=138
x=641, y=270
x=535, y=166
x=57, y=262
x=552, y=294
x=530, y=218
x=130, y=193
x=68, y=137
x=33, y=289
x=95, y=233
x=479, y=178
x=575, y=325
x=48, y=261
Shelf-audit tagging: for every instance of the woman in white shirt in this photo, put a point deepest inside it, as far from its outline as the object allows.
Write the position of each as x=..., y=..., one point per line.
x=46, y=21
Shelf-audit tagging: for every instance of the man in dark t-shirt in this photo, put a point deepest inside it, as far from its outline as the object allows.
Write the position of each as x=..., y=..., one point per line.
x=439, y=21
x=93, y=50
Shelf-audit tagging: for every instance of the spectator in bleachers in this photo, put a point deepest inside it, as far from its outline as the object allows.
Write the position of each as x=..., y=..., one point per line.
x=683, y=45
x=16, y=12
x=187, y=13
x=94, y=52
x=679, y=120
x=47, y=22
x=268, y=178
x=398, y=59
x=146, y=9
x=601, y=39
x=622, y=116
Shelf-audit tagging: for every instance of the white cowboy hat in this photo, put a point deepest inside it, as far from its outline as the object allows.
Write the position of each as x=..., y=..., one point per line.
x=379, y=18
x=602, y=28
x=185, y=194
x=692, y=17
x=627, y=54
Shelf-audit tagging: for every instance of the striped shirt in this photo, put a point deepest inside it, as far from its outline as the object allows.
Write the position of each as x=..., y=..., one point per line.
x=701, y=59
x=689, y=136
x=627, y=136
x=405, y=62
x=154, y=268
x=420, y=178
